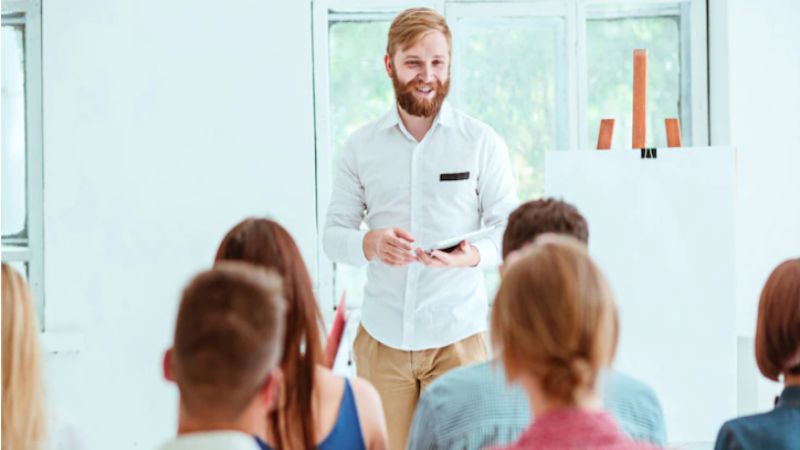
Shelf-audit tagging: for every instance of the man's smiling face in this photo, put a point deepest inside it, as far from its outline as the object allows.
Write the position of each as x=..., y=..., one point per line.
x=421, y=74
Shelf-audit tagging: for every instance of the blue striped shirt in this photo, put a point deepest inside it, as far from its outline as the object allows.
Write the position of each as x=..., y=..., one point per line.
x=473, y=407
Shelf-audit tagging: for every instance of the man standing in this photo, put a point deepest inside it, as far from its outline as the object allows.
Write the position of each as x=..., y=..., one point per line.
x=422, y=173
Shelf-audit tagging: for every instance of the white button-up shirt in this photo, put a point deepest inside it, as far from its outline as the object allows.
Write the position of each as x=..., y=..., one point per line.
x=456, y=180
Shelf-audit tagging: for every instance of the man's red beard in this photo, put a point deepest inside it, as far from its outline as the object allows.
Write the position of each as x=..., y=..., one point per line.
x=416, y=106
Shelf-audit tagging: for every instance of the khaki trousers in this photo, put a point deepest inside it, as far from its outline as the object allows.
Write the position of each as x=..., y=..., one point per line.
x=400, y=375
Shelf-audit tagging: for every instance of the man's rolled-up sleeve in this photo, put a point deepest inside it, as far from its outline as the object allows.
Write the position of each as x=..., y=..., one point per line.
x=498, y=198
x=342, y=237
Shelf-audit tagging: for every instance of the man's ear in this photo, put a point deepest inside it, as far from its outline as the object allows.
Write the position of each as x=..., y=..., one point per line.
x=167, y=366
x=270, y=390
x=387, y=62
x=501, y=268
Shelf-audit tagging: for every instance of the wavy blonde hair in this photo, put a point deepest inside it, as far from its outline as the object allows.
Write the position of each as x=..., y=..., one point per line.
x=554, y=318
x=24, y=419
x=412, y=25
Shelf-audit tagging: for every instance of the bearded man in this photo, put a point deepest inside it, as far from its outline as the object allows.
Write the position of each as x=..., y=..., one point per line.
x=420, y=174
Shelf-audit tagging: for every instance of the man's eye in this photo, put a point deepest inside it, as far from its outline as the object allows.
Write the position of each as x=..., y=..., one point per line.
x=412, y=63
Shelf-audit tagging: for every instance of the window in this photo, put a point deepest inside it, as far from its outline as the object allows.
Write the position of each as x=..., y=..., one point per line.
x=22, y=215
x=611, y=36
x=542, y=73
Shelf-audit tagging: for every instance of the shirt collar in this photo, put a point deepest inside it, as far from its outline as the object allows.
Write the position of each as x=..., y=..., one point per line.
x=790, y=397
x=445, y=117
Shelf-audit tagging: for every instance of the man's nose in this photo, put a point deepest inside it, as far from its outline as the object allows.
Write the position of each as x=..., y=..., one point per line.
x=426, y=73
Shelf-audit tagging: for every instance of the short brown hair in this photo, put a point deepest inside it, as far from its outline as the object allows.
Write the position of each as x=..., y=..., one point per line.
x=778, y=324
x=412, y=25
x=554, y=318
x=536, y=217
x=227, y=338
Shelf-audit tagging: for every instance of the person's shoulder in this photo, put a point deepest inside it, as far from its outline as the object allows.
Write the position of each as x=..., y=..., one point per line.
x=772, y=429
x=473, y=128
x=753, y=423
x=366, y=397
x=625, y=384
x=364, y=390
x=467, y=383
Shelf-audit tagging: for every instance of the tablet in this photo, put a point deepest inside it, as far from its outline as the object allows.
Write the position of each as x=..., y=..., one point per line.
x=448, y=245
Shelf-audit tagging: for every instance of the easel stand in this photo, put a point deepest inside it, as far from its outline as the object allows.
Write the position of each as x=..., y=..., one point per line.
x=673, y=127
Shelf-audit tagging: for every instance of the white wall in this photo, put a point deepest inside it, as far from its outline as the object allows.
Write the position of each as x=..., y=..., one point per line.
x=165, y=123
x=755, y=93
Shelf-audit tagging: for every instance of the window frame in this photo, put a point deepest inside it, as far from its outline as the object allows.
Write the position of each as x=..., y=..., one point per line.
x=694, y=55
x=30, y=249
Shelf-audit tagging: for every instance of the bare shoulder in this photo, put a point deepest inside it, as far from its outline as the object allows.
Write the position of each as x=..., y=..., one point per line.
x=365, y=391
x=370, y=414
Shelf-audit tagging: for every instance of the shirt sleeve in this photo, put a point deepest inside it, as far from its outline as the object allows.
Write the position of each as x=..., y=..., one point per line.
x=422, y=435
x=342, y=237
x=498, y=198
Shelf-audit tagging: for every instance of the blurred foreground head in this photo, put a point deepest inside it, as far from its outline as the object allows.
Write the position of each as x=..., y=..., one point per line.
x=554, y=321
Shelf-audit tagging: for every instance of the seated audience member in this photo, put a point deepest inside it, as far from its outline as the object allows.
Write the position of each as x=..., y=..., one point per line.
x=317, y=409
x=554, y=325
x=25, y=424
x=227, y=345
x=474, y=407
x=778, y=356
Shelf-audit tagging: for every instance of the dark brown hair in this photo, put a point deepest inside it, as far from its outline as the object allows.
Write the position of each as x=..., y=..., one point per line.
x=778, y=324
x=536, y=217
x=227, y=338
x=554, y=318
x=266, y=243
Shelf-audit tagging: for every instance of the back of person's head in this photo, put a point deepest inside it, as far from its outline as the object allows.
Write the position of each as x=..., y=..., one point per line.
x=266, y=243
x=778, y=325
x=537, y=217
x=554, y=318
x=23, y=424
x=228, y=338
x=412, y=25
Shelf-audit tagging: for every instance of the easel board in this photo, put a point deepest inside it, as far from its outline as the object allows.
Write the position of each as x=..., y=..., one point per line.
x=662, y=231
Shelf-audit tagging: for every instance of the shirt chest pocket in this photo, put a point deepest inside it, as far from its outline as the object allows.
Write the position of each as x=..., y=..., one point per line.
x=456, y=187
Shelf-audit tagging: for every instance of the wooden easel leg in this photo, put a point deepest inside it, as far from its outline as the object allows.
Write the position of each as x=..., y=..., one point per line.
x=606, y=134
x=673, y=132
x=639, y=98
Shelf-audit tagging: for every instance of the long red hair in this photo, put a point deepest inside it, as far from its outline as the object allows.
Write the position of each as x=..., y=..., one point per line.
x=266, y=243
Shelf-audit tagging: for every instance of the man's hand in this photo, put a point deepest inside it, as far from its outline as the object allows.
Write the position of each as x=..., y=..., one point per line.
x=465, y=255
x=391, y=245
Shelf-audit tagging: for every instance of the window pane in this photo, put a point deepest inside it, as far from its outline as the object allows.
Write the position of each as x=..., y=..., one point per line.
x=13, y=132
x=610, y=46
x=360, y=92
x=511, y=74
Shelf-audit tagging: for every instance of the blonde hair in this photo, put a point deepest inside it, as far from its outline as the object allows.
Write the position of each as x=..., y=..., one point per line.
x=412, y=25
x=554, y=318
x=23, y=409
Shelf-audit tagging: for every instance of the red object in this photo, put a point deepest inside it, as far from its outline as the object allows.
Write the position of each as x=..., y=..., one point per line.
x=337, y=330
x=575, y=428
